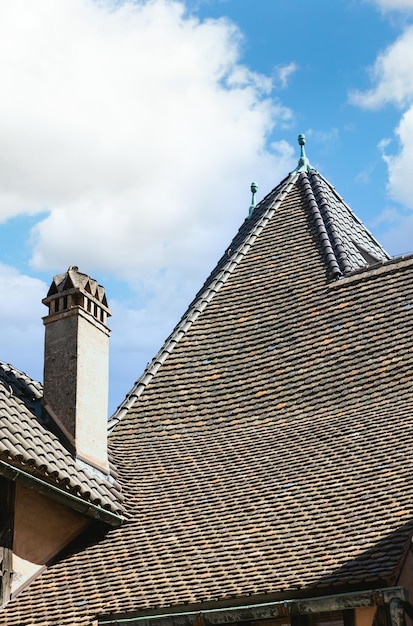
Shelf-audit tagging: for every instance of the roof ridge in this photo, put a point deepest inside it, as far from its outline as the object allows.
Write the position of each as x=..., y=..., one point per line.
x=326, y=243
x=354, y=215
x=336, y=241
x=201, y=301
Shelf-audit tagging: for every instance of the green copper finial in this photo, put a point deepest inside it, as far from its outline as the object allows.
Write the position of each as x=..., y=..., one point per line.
x=254, y=189
x=303, y=162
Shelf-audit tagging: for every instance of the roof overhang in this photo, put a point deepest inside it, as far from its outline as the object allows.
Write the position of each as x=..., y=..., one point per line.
x=394, y=597
x=55, y=493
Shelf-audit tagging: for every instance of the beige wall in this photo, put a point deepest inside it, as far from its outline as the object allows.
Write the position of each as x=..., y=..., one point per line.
x=76, y=371
x=42, y=528
x=92, y=391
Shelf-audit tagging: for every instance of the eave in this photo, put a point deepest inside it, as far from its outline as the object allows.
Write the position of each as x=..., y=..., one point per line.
x=394, y=597
x=68, y=499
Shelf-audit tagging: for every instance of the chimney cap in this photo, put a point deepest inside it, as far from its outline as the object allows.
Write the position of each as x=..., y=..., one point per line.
x=73, y=281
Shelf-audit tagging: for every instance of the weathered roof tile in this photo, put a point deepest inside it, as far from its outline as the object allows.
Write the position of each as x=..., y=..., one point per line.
x=26, y=442
x=264, y=449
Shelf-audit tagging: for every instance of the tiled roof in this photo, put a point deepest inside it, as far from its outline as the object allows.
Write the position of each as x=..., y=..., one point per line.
x=345, y=242
x=28, y=445
x=266, y=450
x=353, y=245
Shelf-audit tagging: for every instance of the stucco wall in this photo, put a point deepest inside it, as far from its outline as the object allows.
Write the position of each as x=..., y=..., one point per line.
x=42, y=528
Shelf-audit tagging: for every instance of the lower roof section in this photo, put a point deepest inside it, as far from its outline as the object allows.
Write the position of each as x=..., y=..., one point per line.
x=31, y=451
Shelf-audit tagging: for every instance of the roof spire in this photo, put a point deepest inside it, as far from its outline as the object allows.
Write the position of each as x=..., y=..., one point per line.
x=303, y=162
x=254, y=189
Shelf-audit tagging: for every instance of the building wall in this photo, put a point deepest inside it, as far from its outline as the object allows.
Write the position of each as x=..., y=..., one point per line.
x=42, y=528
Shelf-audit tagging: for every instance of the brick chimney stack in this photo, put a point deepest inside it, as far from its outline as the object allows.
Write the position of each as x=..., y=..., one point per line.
x=76, y=363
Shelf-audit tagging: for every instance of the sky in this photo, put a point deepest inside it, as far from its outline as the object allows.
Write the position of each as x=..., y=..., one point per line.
x=130, y=133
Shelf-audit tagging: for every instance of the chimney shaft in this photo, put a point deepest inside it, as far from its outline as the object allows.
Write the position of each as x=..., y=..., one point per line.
x=76, y=363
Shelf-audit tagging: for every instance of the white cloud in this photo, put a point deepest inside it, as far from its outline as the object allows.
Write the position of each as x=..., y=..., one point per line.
x=138, y=332
x=138, y=130
x=130, y=126
x=393, y=77
x=389, y=215
x=392, y=74
x=21, y=329
x=399, y=165
x=324, y=137
x=282, y=73
x=398, y=238
x=393, y=5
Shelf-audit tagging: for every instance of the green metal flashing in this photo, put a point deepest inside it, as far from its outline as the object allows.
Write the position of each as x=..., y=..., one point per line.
x=269, y=610
x=254, y=189
x=78, y=504
x=303, y=162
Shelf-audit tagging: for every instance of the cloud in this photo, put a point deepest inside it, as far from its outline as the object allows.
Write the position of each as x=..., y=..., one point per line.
x=132, y=130
x=392, y=74
x=393, y=77
x=139, y=330
x=132, y=125
x=324, y=137
x=393, y=5
x=400, y=183
x=398, y=238
x=21, y=330
x=282, y=73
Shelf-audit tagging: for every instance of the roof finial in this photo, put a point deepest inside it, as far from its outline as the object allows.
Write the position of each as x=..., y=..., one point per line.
x=303, y=162
x=254, y=189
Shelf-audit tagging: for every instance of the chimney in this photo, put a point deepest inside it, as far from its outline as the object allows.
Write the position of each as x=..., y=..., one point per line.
x=76, y=363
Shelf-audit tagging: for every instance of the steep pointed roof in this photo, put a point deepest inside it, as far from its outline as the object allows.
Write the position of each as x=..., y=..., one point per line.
x=263, y=453
x=341, y=238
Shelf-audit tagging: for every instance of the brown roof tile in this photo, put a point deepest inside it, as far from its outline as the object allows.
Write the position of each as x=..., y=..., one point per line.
x=27, y=444
x=266, y=448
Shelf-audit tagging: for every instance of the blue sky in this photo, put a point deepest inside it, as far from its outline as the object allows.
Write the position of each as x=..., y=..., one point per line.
x=130, y=133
